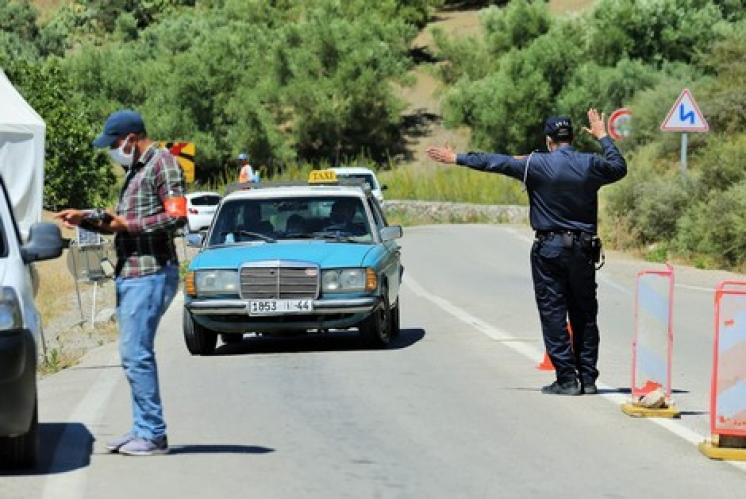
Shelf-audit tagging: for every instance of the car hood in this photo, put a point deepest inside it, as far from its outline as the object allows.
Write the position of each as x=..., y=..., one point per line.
x=325, y=254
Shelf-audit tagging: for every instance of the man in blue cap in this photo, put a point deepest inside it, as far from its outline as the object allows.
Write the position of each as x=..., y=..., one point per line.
x=151, y=208
x=562, y=186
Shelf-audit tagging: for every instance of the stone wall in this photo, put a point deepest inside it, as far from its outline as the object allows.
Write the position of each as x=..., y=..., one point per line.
x=445, y=212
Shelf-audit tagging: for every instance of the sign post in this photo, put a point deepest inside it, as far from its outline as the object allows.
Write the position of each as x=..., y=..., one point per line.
x=685, y=117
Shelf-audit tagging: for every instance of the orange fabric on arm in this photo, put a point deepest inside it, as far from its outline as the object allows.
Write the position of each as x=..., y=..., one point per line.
x=176, y=206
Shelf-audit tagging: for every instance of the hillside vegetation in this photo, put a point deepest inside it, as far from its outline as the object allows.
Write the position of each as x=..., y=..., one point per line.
x=320, y=82
x=529, y=64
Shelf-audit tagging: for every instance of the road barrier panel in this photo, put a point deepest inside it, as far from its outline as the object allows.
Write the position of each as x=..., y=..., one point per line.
x=652, y=346
x=728, y=387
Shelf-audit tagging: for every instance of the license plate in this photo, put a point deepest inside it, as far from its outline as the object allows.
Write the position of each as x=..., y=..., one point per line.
x=279, y=307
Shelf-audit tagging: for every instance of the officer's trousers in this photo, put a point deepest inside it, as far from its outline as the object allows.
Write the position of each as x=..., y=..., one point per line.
x=565, y=287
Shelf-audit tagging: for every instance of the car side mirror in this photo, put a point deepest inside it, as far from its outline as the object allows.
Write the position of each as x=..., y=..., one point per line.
x=384, y=187
x=391, y=232
x=44, y=243
x=195, y=240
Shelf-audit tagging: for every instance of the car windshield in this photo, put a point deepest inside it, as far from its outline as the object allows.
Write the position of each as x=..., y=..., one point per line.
x=331, y=218
x=206, y=200
x=366, y=177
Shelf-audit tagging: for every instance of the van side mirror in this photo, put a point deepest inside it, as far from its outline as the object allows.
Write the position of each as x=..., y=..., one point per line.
x=391, y=232
x=44, y=243
x=384, y=187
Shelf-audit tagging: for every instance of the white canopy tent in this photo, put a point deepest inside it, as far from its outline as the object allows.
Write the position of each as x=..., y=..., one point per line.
x=22, y=133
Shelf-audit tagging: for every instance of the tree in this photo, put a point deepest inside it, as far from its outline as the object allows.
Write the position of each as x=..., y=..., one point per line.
x=75, y=175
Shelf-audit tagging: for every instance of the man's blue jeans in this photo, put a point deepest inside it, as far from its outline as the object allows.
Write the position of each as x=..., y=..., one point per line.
x=141, y=301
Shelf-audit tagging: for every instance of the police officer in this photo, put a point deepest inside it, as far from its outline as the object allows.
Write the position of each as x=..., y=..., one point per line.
x=562, y=185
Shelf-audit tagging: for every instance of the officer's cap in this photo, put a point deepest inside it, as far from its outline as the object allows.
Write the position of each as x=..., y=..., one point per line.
x=558, y=127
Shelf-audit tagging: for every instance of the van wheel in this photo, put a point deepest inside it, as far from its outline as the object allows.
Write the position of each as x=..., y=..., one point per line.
x=21, y=451
x=375, y=330
x=199, y=340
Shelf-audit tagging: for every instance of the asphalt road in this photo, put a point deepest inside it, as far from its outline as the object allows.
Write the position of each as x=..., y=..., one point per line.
x=451, y=410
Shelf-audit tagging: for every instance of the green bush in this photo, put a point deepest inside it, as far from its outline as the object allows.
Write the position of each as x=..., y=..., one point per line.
x=722, y=162
x=716, y=227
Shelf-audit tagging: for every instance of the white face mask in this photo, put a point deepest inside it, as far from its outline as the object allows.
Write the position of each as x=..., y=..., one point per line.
x=119, y=156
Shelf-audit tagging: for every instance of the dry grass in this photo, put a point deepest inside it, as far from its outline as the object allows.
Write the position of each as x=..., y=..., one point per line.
x=569, y=6
x=449, y=183
x=67, y=349
x=47, y=8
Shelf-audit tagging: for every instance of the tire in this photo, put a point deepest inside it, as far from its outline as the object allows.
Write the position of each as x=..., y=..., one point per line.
x=375, y=330
x=21, y=451
x=395, y=328
x=231, y=339
x=199, y=340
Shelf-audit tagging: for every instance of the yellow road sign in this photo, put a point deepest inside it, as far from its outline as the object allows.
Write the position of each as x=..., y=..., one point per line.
x=184, y=153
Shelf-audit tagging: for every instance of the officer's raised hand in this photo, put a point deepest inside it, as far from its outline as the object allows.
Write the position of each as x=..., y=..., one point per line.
x=442, y=154
x=597, y=124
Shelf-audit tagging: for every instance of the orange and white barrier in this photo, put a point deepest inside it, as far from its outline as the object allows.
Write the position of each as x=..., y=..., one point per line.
x=652, y=345
x=728, y=389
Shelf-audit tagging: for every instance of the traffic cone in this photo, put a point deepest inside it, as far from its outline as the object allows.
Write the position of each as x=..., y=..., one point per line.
x=546, y=362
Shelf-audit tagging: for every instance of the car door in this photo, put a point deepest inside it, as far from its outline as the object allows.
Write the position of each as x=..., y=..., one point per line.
x=392, y=253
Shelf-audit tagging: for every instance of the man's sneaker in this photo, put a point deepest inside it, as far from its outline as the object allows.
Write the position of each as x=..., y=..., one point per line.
x=145, y=447
x=590, y=388
x=566, y=388
x=114, y=445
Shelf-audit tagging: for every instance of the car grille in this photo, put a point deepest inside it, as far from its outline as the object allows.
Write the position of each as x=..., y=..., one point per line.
x=279, y=282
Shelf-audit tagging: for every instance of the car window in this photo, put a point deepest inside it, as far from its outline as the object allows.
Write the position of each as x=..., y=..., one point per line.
x=377, y=214
x=366, y=177
x=206, y=200
x=331, y=218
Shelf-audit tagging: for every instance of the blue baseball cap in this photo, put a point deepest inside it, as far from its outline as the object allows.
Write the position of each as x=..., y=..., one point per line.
x=558, y=127
x=117, y=124
x=243, y=156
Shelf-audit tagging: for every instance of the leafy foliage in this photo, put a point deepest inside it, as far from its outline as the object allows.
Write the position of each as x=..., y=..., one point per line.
x=74, y=174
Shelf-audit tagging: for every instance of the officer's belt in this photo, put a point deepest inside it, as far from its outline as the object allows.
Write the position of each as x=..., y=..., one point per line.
x=542, y=235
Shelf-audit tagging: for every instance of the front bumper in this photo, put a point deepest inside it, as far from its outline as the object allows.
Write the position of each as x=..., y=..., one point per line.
x=17, y=381
x=232, y=315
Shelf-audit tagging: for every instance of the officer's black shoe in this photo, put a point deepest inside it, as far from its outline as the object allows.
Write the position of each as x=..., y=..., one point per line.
x=589, y=388
x=566, y=388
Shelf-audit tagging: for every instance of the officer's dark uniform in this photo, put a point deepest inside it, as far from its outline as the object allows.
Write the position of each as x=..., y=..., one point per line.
x=562, y=187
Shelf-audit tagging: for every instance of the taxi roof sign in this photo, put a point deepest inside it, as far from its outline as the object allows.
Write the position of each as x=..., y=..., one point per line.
x=322, y=177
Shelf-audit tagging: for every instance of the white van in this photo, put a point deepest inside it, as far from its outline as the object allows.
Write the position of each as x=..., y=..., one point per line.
x=365, y=174
x=20, y=333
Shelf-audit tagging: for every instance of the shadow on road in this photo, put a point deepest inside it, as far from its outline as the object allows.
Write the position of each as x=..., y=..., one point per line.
x=52, y=458
x=327, y=342
x=219, y=449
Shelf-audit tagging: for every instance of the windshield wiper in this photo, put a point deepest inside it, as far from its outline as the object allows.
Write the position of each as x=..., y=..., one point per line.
x=336, y=236
x=257, y=235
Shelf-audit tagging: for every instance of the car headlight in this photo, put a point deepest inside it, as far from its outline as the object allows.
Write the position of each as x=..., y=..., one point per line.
x=10, y=310
x=216, y=282
x=342, y=280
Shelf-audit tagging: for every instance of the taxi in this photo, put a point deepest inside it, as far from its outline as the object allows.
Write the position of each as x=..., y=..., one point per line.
x=294, y=258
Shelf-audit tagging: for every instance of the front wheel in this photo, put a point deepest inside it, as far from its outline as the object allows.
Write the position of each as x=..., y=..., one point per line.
x=395, y=327
x=199, y=340
x=20, y=452
x=375, y=330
